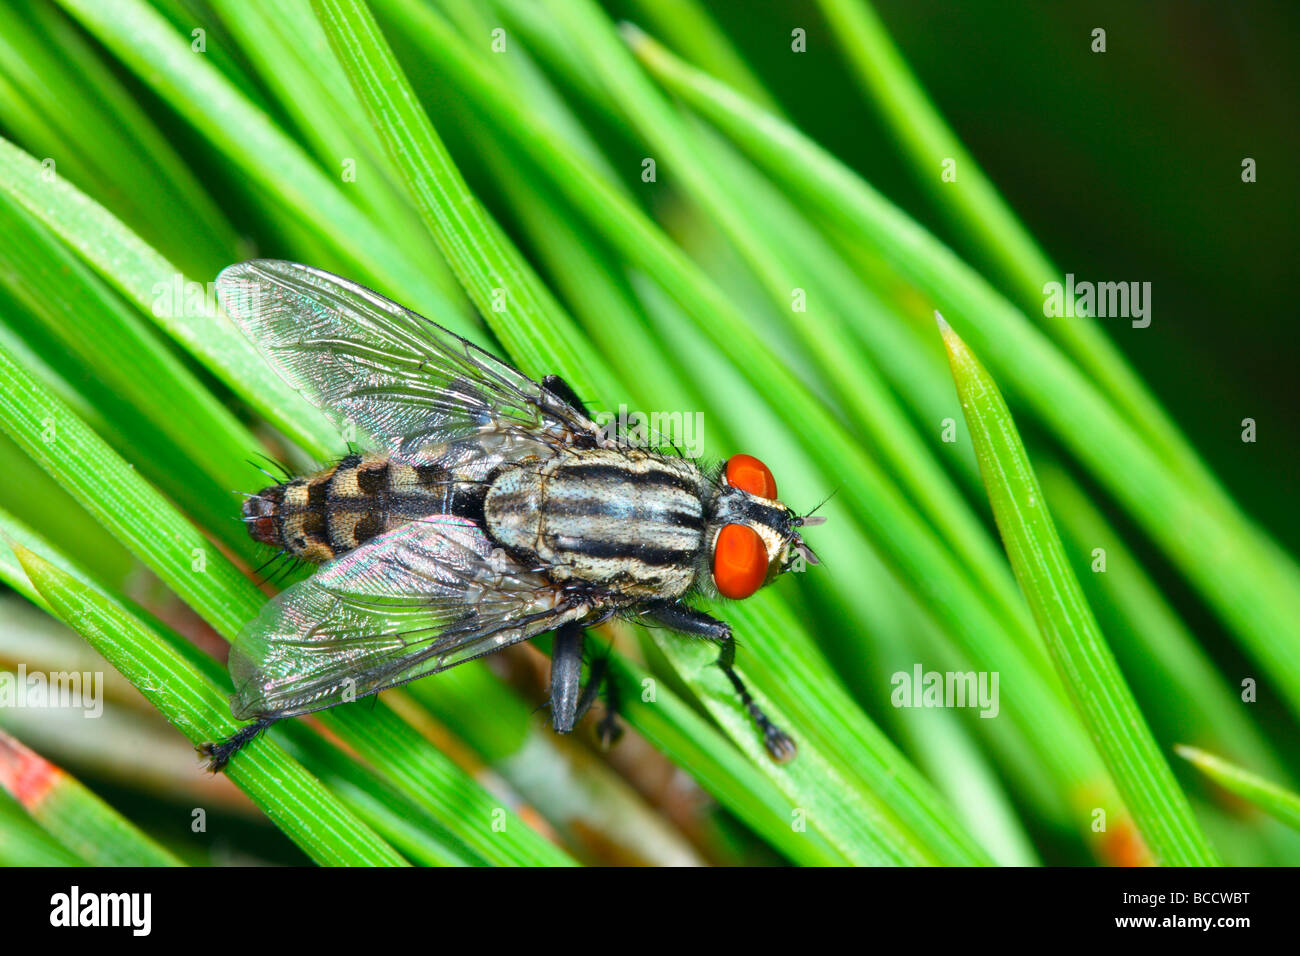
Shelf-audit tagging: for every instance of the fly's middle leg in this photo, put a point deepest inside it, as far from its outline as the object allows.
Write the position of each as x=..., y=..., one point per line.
x=569, y=700
x=687, y=620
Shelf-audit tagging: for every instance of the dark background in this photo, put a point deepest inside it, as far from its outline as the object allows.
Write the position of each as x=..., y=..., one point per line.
x=1125, y=166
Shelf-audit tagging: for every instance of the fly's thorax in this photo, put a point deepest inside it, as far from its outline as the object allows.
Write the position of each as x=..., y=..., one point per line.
x=628, y=520
x=322, y=516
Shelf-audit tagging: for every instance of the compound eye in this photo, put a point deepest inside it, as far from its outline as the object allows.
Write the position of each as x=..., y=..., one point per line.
x=739, y=561
x=749, y=474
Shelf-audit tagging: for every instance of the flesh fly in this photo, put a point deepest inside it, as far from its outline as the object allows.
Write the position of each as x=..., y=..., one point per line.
x=490, y=509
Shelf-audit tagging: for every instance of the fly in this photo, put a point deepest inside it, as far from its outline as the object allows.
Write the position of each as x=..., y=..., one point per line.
x=492, y=509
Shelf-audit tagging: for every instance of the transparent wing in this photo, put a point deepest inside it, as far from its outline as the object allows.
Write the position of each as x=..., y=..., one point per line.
x=364, y=359
x=420, y=599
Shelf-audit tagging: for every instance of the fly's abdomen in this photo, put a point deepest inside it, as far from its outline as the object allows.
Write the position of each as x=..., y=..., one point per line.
x=629, y=520
x=321, y=516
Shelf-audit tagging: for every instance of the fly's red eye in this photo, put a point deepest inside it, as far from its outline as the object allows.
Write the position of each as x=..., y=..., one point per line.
x=749, y=474
x=739, y=561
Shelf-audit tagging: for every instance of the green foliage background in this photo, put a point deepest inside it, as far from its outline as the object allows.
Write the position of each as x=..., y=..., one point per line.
x=410, y=146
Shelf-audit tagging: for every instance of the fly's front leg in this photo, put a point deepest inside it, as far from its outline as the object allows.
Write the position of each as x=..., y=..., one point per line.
x=688, y=620
x=566, y=676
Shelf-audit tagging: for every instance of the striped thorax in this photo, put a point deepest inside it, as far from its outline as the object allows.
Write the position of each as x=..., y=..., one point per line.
x=624, y=519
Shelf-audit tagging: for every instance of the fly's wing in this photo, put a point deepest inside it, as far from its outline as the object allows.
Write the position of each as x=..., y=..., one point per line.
x=424, y=597
x=361, y=358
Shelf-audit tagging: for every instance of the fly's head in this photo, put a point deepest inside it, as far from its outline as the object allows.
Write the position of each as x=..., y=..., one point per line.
x=755, y=536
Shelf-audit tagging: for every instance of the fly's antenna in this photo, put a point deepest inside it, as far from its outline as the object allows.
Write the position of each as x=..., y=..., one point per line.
x=812, y=519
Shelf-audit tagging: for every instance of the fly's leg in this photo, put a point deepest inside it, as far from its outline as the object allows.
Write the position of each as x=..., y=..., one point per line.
x=568, y=704
x=610, y=729
x=780, y=746
x=219, y=753
x=687, y=620
x=566, y=676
